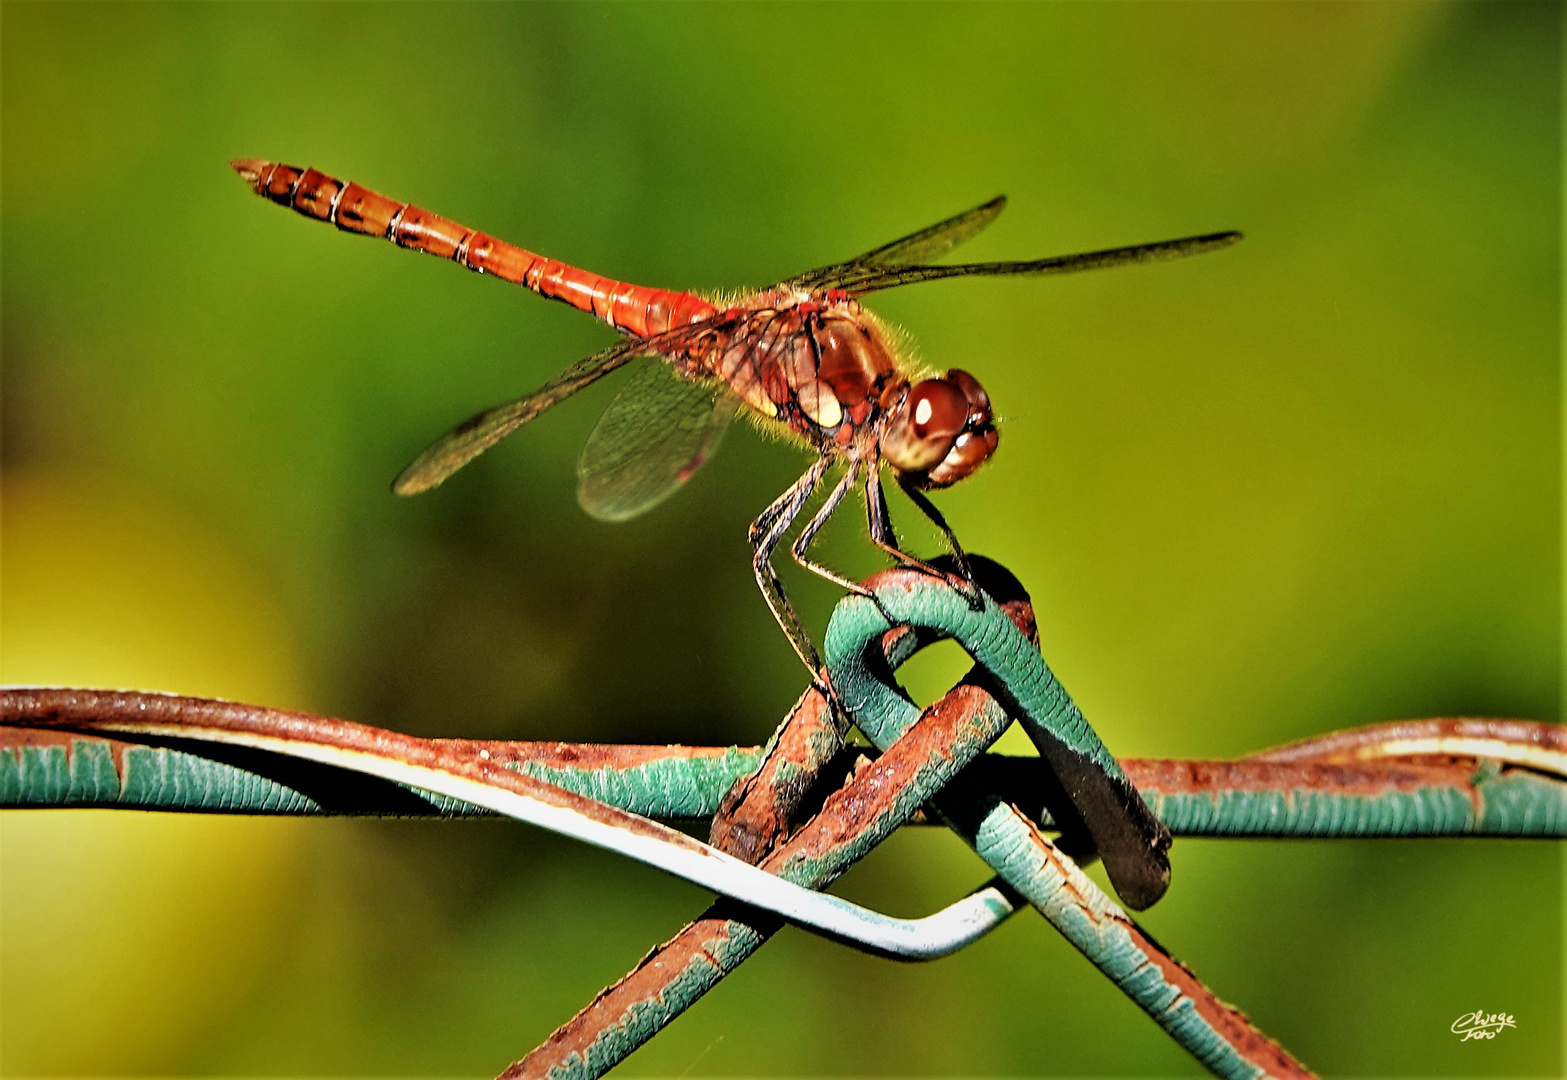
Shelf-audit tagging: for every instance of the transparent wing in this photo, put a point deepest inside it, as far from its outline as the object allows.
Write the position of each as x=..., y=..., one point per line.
x=478, y=433
x=483, y=430
x=657, y=432
x=929, y=243
x=861, y=280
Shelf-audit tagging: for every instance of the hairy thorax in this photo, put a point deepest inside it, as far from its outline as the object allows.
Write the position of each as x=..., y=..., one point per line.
x=821, y=369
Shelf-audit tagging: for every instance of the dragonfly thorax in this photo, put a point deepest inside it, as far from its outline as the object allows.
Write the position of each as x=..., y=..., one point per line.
x=854, y=364
x=824, y=374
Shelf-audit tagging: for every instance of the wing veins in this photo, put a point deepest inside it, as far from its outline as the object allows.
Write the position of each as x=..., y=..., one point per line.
x=931, y=242
x=873, y=279
x=483, y=430
x=657, y=432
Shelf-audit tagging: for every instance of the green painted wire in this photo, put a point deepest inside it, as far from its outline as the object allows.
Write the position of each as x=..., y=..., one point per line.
x=999, y=834
x=92, y=772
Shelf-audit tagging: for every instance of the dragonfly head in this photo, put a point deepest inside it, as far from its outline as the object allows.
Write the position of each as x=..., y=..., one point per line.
x=940, y=431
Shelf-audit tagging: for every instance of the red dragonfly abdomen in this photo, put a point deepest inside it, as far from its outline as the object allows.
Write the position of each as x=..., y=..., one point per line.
x=633, y=309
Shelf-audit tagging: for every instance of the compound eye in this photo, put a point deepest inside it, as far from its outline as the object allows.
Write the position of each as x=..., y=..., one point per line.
x=948, y=431
x=971, y=450
x=978, y=400
x=937, y=409
x=921, y=428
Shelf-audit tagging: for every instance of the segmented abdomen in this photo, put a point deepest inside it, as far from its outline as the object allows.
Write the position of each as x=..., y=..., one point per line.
x=352, y=208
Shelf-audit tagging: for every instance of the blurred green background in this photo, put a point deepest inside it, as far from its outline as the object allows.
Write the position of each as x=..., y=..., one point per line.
x=1307, y=483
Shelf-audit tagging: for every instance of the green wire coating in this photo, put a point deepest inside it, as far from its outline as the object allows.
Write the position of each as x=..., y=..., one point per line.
x=84, y=774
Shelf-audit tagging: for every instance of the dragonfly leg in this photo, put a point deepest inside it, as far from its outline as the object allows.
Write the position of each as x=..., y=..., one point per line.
x=884, y=537
x=807, y=535
x=767, y=531
x=882, y=534
x=970, y=590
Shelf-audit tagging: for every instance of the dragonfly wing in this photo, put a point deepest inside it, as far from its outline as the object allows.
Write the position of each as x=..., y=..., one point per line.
x=873, y=279
x=928, y=243
x=478, y=433
x=658, y=431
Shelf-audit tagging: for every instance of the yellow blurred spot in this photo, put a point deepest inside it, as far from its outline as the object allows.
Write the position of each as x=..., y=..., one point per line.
x=123, y=935
x=104, y=585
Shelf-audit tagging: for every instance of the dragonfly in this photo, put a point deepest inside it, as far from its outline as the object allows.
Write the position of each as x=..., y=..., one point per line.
x=802, y=356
